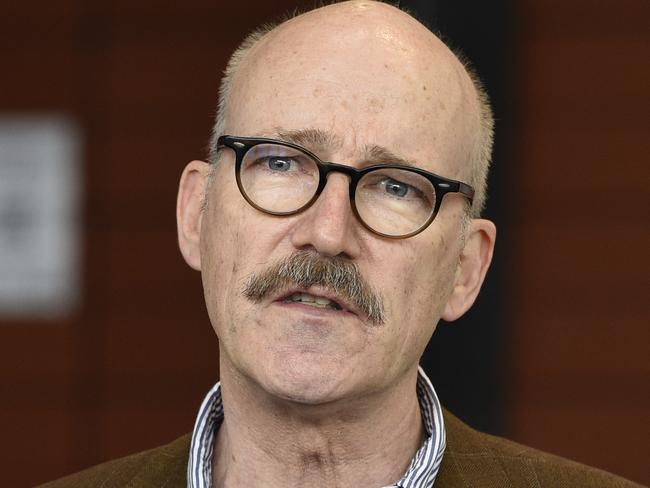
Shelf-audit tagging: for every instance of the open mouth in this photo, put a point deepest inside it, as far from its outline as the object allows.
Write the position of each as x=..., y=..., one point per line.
x=312, y=300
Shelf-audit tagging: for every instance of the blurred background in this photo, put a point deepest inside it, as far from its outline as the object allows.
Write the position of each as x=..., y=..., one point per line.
x=105, y=344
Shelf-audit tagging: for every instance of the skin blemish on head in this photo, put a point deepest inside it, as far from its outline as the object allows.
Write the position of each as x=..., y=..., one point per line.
x=311, y=460
x=375, y=105
x=443, y=242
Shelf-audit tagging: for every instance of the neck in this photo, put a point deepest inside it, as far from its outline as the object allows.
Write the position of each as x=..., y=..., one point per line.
x=272, y=442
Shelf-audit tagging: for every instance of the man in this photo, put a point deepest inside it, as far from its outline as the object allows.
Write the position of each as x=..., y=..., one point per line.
x=338, y=222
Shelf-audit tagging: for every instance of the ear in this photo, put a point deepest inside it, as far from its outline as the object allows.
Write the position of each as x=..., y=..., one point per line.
x=189, y=211
x=474, y=262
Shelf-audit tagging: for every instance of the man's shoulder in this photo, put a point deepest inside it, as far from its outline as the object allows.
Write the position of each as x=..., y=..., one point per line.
x=162, y=466
x=473, y=458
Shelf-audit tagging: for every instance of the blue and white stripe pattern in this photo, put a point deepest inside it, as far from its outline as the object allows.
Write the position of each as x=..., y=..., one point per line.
x=421, y=473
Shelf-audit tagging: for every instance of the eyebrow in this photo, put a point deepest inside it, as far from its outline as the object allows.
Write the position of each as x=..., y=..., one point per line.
x=317, y=140
x=312, y=139
x=374, y=154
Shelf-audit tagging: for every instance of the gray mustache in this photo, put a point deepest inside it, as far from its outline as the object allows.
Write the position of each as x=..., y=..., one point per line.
x=305, y=269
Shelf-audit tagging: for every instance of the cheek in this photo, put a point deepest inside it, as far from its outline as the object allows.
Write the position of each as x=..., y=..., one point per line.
x=417, y=283
x=222, y=248
x=236, y=240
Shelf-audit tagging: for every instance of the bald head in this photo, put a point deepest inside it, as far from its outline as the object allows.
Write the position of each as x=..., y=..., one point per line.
x=368, y=73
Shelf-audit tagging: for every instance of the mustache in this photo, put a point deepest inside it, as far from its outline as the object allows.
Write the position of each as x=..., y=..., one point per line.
x=305, y=269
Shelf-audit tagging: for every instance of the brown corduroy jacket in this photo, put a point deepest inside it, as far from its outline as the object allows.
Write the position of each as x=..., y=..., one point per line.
x=472, y=459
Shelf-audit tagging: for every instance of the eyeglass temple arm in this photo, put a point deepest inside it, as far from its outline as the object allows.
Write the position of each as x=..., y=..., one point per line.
x=466, y=190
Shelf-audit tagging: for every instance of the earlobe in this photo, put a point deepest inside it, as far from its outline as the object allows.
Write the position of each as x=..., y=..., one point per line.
x=189, y=211
x=474, y=262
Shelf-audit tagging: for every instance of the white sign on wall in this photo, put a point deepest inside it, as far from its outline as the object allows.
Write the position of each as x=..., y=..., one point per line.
x=40, y=189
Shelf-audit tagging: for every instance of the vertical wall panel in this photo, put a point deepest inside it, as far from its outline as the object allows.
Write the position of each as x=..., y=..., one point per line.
x=579, y=340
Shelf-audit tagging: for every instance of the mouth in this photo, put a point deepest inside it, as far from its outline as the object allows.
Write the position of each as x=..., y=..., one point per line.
x=317, y=298
x=312, y=300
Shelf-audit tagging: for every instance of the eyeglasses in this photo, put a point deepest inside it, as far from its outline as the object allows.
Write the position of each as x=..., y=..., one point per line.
x=391, y=200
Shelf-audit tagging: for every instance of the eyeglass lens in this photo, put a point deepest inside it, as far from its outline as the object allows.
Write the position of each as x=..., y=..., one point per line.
x=282, y=179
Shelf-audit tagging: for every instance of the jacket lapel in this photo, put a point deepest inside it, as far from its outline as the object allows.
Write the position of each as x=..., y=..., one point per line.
x=166, y=468
x=467, y=461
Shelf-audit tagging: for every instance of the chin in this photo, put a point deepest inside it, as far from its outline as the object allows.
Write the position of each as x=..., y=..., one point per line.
x=307, y=361
x=306, y=378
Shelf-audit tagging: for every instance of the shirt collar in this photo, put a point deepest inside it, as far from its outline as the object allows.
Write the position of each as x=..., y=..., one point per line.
x=421, y=473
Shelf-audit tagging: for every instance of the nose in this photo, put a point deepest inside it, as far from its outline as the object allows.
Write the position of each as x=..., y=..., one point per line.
x=329, y=226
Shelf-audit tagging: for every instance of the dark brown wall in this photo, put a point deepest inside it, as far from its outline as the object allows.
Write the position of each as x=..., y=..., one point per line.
x=579, y=341
x=129, y=369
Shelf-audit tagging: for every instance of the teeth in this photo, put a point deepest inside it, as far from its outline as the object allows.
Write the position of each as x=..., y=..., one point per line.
x=313, y=301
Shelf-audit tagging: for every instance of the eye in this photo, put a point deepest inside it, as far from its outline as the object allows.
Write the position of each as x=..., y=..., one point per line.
x=395, y=188
x=278, y=163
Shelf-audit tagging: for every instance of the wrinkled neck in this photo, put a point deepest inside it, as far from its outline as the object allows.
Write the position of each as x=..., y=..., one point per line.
x=269, y=442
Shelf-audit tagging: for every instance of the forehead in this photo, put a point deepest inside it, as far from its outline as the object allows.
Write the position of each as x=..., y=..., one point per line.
x=367, y=79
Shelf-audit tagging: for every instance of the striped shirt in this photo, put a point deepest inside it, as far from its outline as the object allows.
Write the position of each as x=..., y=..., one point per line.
x=421, y=473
